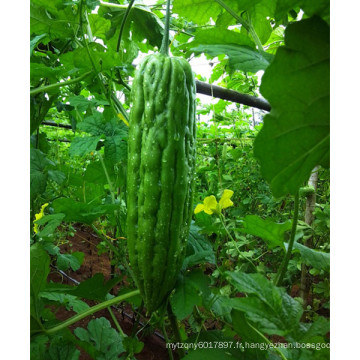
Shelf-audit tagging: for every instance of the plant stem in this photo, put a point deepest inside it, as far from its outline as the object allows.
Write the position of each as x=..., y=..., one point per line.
x=248, y=26
x=267, y=341
x=283, y=267
x=112, y=193
x=221, y=217
x=59, y=84
x=116, y=322
x=171, y=356
x=91, y=311
x=175, y=327
x=165, y=41
x=112, y=5
x=127, y=12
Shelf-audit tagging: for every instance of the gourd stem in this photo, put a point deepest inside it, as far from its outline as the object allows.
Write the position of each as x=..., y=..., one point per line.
x=175, y=327
x=283, y=267
x=120, y=330
x=127, y=12
x=59, y=84
x=91, y=311
x=165, y=41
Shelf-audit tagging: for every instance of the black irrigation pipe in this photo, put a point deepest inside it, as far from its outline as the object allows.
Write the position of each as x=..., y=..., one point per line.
x=113, y=306
x=231, y=95
x=60, y=140
x=210, y=90
x=53, y=123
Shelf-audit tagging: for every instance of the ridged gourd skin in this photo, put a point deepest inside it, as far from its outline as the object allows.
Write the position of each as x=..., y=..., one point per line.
x=161, y=166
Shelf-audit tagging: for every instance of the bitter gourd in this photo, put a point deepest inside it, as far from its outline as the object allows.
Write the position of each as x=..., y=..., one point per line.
x=161, y=165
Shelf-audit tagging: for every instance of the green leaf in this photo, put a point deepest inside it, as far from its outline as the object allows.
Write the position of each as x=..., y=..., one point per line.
x=217, y=36
x=39, y=269
x=45, y=17
x=57, y=176
x=133, y=345
x=267, y=230
x=200, y=11
x=210, y=354
x=188, y=293
x=317, y=259
x=297, y=87
x=102, y=58
x=142, y=23
x=38, y=172
x=99, y=26
x=67, y=261
x=62, y=349
x=240, y=57
x=199, y=249
x=51, y=223
x=105, y=339
x=81, y=212
x=67, y=300
x=81, y=146
x=40, y=71
x=216, y=339
x=308, y=331
x=38, y=347
x=260, y=15
x=270, y=307
x=95, y=173
x=34, y=42
x=115, y=149
x=95, y=288
x=248, y=335
x=82, y=104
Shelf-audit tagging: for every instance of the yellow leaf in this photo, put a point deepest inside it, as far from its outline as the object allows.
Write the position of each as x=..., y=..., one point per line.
x=225, y=199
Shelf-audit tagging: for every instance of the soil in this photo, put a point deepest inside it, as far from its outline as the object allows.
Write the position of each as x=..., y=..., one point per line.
x=86, y=241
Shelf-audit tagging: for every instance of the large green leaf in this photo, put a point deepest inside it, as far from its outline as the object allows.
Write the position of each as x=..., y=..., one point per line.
x=95, y=288
x=69, y=301
x=141, y=24
x=38, y=172
x=198, y=250
x=260, y=14
x=273, y=233
x=270, y=307
x=188, y=292
x=81, y=212
x=46, y=17
x=248, y=335
x=317, y=259
x=81, y=146
x=62, y=348
x=106, y=340
x=240, y=57
x=198, y=11
x=295, y=136
x=218, y=35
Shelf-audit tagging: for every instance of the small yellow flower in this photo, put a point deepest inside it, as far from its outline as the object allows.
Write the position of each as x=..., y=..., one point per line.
x=211, y=206
x=38, y=217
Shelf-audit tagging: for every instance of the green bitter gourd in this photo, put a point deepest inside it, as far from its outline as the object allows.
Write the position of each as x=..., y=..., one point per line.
x=161, y=166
